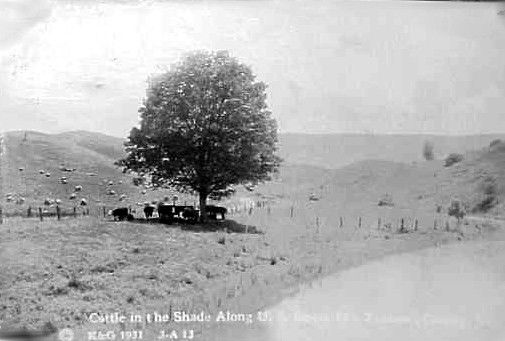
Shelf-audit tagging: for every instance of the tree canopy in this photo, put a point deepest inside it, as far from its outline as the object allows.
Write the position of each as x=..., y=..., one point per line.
x=204, y=127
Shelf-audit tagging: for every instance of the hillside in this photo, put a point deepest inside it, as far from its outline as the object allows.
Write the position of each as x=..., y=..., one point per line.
x=26, y=163
x=416, y=189
x=338, y=150
x=365, y=175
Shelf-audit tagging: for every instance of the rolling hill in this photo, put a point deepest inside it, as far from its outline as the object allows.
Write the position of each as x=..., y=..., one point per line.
x=345, y=169
x=33, y=169
x=338, y=150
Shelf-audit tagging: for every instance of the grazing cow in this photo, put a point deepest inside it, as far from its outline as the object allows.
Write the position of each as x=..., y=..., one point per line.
x=213, y=211
x=148, y=211
x=166, y=213
x=121, y=214
x=73, y=196
x=78, y=188
x=190, y=214
x=84, y=202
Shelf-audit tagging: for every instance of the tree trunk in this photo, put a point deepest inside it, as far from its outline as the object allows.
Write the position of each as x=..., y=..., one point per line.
x=203, y=207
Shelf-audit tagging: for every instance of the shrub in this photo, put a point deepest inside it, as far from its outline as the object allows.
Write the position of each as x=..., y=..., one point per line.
x=489, y=185
x=486, y=204
x=497, y=145
x=428, y=151
x=494, y=143
x=456, y=209
x=452, y=159
x=386, y=200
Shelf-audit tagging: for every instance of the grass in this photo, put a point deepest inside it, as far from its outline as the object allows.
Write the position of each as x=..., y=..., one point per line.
x=54, y=273
x=57, y=273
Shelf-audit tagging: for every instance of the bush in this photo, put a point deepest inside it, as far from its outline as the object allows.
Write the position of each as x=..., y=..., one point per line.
x=456, y=209
x=486, y=204
x=490, y=188
x=386, y=200
x=494, y=143
x=489, y=185
x=453, y=159
x=497, y=145
x=428, y=151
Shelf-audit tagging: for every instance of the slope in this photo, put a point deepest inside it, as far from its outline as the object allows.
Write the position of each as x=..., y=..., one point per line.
x=338, y=150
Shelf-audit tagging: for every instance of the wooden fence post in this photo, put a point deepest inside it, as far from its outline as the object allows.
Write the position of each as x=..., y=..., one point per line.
x=40, y=214
x=435, y=224
x=75, y=212
x=1, y=216
x=402, y=226
x=291, y=211
x=341, y=222
x=29, y=212
x=104, y=214
x=58, y=212
x=379, y=224
x=416, y=224
x=359, y=222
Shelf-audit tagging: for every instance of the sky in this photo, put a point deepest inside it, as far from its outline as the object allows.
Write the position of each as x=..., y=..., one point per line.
x=331, y=66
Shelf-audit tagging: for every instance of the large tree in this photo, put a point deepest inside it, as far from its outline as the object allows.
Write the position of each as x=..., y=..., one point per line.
x=204, y=128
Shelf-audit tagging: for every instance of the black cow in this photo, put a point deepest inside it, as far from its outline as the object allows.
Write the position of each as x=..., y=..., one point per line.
x=148, y=211
x=213, y=211
x=165, y=213
x=121, y=214
x=190, y=214
x=169, y=213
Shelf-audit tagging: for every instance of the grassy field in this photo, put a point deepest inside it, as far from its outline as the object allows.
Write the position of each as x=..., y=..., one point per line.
x=53, y=274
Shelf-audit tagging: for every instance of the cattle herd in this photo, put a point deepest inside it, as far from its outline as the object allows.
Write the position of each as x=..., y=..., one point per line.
x=168, y=213
x=163, y=210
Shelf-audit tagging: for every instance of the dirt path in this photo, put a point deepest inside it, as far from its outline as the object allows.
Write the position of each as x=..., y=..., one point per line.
x=453, y=292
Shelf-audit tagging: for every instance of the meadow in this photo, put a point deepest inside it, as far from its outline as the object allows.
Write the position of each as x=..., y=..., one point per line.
x=54, y=274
